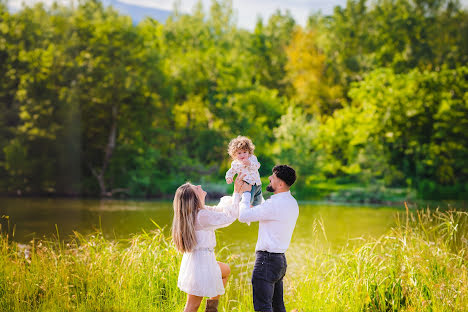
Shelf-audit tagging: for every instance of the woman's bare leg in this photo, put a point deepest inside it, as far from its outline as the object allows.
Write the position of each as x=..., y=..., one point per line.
x=193, y=303
x=225, y=272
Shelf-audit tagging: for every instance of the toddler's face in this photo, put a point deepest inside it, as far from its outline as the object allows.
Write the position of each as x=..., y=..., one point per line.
x=242, y=155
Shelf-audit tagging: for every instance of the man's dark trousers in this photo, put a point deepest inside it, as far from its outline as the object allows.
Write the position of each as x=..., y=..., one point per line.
x=267, y=281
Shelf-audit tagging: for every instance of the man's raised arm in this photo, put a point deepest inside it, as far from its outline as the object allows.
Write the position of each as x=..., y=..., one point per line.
x=262, y=212
x=247, y=214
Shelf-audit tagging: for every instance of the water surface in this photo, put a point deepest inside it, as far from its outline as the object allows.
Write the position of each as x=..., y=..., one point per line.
x=48, y=218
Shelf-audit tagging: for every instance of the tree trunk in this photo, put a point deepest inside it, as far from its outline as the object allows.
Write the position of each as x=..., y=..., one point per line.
x=107, y=156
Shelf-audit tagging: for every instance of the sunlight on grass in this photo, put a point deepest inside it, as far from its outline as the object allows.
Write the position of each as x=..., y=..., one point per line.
x=419, y=265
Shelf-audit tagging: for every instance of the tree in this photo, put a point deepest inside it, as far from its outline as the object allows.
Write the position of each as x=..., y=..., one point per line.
x=116, y=100
x=400, y=34
x=402, y=126
x=296, y=143
x=267, y=53
x=306, y=72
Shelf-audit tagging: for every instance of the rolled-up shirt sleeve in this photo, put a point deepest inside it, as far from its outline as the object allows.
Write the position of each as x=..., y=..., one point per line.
x=263, y=212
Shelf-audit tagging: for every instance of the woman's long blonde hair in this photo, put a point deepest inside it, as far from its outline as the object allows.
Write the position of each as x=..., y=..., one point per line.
x=186, y=206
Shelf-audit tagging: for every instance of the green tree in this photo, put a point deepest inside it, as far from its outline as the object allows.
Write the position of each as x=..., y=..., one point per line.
x=401, y=34
x=296, y=144
x=306, y=72
x=402, y=126
x=267, y=52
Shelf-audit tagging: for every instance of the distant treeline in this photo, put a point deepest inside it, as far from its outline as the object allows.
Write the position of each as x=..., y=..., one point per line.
x=375, y=94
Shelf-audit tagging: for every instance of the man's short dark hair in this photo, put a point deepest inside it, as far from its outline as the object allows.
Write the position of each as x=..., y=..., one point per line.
x=285, y=173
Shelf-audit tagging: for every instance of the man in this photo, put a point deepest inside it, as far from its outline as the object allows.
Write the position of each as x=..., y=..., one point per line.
x=277, y=218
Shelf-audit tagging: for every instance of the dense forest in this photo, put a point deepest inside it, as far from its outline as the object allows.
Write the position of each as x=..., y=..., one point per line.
x=93, y=105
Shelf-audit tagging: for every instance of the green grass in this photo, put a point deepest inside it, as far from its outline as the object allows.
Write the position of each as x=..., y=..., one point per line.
x=419, y=265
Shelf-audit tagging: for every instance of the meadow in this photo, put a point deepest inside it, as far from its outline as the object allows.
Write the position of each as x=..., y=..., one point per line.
x=101, y=115
x=420, y=264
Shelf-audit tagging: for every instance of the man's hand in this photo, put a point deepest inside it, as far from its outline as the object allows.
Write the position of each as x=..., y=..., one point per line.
x=241, y=186
x=229, y=180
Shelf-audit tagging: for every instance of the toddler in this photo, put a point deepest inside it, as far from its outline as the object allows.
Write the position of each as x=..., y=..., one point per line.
x=244, y=161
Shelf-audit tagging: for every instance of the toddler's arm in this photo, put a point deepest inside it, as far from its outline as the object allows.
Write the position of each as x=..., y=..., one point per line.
x=231, y=173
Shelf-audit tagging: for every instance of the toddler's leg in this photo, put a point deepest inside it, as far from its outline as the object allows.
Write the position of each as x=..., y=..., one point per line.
x=252, y=195
x=256, y=198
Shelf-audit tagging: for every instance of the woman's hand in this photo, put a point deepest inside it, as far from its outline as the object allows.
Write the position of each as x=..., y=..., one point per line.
x=240, y=186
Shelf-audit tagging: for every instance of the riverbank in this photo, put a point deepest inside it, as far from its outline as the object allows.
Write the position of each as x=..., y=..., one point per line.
x=320, y=191
x=418, y=265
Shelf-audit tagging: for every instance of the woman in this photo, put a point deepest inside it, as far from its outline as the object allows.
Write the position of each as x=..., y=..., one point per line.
x=193, y=234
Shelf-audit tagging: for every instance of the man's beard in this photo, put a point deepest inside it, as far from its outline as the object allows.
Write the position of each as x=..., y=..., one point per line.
x=270, y=188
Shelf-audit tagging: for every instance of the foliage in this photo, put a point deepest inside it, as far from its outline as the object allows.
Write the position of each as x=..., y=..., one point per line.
x=306, y=71
x=95, y=105
x=396, y=127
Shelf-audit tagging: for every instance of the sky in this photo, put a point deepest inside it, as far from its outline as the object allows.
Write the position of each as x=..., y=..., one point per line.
x=247, y=10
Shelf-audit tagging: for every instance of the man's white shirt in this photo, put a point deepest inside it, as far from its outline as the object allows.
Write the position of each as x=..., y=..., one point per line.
x=277, y=218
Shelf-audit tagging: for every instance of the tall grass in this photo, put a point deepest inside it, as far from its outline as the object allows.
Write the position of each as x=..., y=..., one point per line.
x=91, y=274
x=419, y=265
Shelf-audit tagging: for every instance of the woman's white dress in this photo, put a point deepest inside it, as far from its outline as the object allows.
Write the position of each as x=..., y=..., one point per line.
x=199, y=273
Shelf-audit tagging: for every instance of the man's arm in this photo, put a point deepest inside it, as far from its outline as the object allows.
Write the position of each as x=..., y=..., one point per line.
x=263, y=212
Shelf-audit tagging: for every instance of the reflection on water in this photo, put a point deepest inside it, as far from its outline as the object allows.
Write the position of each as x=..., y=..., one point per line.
x=37, y=218
x=117, y=219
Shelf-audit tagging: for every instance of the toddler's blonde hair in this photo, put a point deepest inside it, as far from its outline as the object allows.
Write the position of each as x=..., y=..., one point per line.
x=241, y=143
